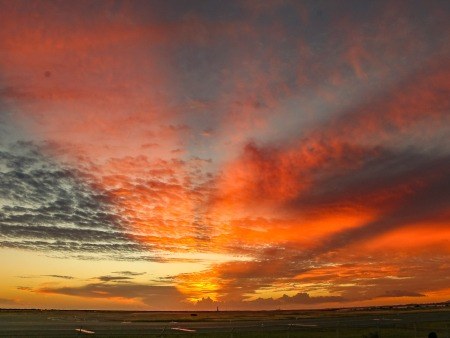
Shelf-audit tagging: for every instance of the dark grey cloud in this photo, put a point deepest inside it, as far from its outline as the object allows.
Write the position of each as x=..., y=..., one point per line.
x=109, y=278
x=129, y=273
x=164, y=280
x=59, y=276
x=39, y=276
x=379, y=170
x=52, y=207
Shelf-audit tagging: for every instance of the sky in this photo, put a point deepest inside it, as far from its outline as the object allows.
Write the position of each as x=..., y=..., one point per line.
x=184, y=155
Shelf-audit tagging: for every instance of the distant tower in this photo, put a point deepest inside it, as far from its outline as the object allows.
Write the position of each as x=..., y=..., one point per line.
x=217, y=309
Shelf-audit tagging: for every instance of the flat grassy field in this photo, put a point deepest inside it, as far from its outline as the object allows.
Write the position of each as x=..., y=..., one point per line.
x=407, y=322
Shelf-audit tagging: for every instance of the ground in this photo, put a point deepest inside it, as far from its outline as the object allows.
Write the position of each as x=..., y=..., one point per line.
x=407, y=322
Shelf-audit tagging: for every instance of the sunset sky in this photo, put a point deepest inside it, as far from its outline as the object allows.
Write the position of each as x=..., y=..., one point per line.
x=182, y=155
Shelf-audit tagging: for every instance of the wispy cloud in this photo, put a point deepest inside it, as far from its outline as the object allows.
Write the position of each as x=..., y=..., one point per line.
x=109, y=278
x=59, y=276
x=129, y=273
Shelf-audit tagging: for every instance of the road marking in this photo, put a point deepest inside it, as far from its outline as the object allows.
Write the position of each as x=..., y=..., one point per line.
x=182, y=329
x=85, y=331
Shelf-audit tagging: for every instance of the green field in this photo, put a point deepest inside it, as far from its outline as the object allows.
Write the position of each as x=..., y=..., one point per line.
x=407, y=322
